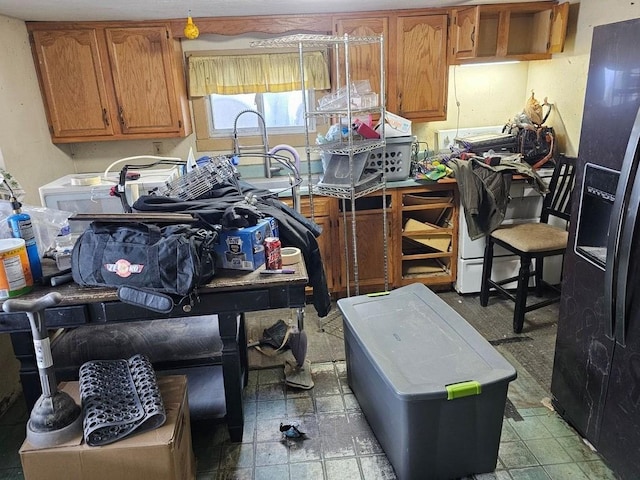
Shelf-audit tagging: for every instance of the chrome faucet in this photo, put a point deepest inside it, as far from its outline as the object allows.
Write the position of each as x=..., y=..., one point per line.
x=294, y=166
x=269, y=168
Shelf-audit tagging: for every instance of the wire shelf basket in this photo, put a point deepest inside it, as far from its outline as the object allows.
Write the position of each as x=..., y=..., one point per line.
x=369, y=185
x=198, y=182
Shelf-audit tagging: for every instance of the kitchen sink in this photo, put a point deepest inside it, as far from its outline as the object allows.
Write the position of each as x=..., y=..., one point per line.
x=280, y=183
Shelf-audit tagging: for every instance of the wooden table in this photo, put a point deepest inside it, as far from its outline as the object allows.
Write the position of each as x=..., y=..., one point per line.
x=229, y=295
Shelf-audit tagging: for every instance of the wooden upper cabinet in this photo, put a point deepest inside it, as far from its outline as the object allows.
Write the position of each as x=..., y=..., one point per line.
x=70, y=71
x=559, y=21
x=415, y=59
x=110, y=82
x=463, y=37
x=142, y=74
x=510, y=31
x=421, y=82
x=364, y=60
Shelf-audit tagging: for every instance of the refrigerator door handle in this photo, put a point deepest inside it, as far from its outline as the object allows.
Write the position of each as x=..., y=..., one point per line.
x=629, y=200
x=611, y=266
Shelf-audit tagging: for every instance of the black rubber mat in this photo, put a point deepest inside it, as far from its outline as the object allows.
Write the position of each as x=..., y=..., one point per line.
x=119, y=397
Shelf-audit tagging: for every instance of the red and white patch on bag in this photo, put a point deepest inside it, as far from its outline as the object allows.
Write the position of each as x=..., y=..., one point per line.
x=123, y=268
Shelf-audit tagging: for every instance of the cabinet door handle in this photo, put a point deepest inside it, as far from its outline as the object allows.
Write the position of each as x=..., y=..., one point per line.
x=121, y=114
x=473, y=36
x=105, y=117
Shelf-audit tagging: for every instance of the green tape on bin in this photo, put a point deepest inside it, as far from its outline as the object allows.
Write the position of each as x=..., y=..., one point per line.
x=463, y=389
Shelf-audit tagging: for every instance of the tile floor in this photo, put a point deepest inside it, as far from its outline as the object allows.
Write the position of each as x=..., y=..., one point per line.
x=535, y=443
x=339, y=444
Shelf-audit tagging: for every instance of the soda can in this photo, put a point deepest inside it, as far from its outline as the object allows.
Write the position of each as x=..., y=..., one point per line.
x=272, y=253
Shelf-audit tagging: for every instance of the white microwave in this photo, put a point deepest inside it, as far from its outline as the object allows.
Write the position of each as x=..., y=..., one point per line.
x=64, y=194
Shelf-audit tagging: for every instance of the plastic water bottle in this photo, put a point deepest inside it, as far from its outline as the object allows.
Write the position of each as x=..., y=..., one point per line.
x=21, y=227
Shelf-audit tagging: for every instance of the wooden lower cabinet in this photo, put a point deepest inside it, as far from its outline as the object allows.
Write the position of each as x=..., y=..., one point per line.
x=422, y=238
x=324, y=214
x=370, y=262
x=329, y=253
x=425, y=245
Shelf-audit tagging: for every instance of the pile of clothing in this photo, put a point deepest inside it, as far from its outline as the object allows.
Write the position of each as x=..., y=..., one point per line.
x=484, y=190
x=240, y=205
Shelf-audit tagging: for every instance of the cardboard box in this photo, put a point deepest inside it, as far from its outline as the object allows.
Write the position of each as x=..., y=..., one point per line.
x=161, y=454
x=243, y=248
x=396, y=126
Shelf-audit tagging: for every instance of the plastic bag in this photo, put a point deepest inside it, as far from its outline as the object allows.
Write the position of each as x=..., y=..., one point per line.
x=335, y=133
x=47, y=223
x=533, y=110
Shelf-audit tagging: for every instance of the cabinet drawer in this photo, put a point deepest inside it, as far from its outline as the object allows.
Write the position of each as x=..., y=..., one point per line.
x=321, y=206
x=427, y=199
x=60, y=316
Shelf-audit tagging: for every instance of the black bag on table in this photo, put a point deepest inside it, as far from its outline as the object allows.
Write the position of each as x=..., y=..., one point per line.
x=149, y=264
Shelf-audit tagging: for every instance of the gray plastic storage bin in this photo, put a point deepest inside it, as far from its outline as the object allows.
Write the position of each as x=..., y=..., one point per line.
x=431, y=387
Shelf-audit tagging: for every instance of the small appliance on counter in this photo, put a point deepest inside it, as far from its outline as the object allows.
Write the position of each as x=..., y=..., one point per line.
x=91, y=193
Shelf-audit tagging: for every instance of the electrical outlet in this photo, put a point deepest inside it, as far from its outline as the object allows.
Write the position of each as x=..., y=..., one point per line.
x=157, y=148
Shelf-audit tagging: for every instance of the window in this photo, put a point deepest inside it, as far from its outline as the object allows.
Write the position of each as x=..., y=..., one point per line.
x=221, y=86
x=283, y=113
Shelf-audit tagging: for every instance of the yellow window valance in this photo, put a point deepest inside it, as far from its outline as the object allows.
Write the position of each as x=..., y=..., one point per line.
x=270, y=72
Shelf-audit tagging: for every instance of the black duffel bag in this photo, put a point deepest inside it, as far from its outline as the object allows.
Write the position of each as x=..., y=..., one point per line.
x=149, y=264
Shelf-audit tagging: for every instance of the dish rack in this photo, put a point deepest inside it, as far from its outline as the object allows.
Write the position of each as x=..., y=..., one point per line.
x=199, y=181
x=196, y=183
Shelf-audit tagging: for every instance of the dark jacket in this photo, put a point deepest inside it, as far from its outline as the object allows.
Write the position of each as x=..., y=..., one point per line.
x=226, y=206
x=484, y=191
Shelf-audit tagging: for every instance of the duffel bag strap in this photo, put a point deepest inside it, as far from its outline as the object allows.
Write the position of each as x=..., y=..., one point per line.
x=157, y=302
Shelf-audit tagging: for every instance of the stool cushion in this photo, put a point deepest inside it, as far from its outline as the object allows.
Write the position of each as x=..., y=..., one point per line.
x=532, y=237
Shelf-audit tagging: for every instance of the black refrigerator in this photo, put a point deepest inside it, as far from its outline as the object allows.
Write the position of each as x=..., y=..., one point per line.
x=596, y=374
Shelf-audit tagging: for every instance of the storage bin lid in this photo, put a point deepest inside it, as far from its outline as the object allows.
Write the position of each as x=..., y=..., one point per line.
x=420, y=345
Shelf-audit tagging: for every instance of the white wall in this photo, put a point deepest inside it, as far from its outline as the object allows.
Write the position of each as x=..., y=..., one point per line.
x=25, y=142
x=564, y=78
x=491, y=95
x=479, y=96
x=26, y=149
